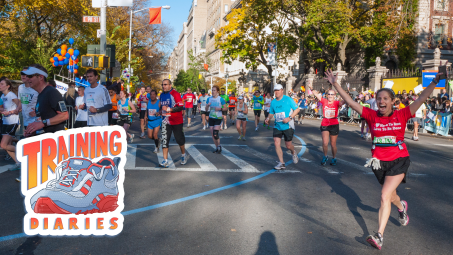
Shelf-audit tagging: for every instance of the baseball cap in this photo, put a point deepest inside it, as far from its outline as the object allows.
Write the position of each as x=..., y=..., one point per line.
x=34, y=70
x=278, y=87
x=257, y=91
x=240, y=97
x=203, y=91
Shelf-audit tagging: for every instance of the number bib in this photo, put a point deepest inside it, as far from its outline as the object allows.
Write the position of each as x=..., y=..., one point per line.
x=203, y=106
x=90, y=102
x=257, y=105
x=25, y=98
x=385, y=140
x=279, y=116
x=143, y=106
x=152, y=112
x=115, y=116
x=124, y=110
x=329, y=113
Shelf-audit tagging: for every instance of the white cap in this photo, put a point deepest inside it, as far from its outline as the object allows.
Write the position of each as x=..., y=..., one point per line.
x=34, y=70
x=278, y=87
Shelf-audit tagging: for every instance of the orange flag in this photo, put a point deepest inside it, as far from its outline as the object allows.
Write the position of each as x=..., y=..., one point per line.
x=155, y=15
x=206, y=66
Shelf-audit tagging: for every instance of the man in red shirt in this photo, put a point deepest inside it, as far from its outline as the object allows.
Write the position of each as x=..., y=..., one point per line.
x=232, y=107
x=188, y=99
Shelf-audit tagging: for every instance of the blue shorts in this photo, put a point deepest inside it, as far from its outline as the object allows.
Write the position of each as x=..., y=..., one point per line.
x=152, y=124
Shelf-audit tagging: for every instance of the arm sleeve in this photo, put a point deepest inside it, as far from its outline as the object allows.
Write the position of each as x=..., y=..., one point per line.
x=367, y=113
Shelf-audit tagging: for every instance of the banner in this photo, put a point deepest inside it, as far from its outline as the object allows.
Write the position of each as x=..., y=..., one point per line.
x=439, y=123
x=61, y=87
x=428, y=76
x=155, y=15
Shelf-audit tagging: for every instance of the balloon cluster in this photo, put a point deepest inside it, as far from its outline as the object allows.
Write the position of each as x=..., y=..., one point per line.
x=65, y=56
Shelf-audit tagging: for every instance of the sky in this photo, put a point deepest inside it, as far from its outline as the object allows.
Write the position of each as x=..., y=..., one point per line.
x=176, y=16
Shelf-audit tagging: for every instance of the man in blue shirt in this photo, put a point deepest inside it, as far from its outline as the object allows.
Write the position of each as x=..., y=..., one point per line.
x=302, y=108
x=284, y=108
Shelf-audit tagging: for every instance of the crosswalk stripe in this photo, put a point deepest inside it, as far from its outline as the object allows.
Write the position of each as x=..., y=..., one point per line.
x=270, y=160
x=201, y=160
x=246, y=167
x=5, y=168
x=131, y=155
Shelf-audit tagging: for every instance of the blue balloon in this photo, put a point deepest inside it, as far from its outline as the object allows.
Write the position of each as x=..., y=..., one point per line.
x=56, y=63
x=71, y=41
x=76, y=66
x=67, y=55
x=67, y=67
x=76, y=53
x=66, y=61
x=74, y=57
x=55, y=58
x=61, y=63
x=59, y=51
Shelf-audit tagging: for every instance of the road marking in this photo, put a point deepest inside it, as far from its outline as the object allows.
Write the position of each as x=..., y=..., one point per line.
x=205, y=136
x=446, y=145
x=187, y=144
x=201, y=160
x=246, y=167
x=5, y=168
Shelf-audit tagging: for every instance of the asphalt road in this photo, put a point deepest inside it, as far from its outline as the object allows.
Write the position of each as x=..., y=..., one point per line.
x=307, y=209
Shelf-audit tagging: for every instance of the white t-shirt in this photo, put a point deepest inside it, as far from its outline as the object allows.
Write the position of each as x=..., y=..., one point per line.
x=81, y=114
x=9, y=105
x=419, y=112
x=267, y=101
x=97, y=97
x=28, y=98
x=203, y=104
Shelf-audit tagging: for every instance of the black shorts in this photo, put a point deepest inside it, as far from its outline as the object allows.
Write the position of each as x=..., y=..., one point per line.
x=266, y=113
x=178, y=131
x=188, y=112
x=333, y=129
x=224, y=113
x=288, y=134
x=231, y=109
x=142, y=114
x=257, y=112
x=392, y=168
x=9, y=129
x=242, y=119
x=79, y=124
x=205, y=113
x=302, y=111
x=112, y=121
x=214, y=122
x=124, y=119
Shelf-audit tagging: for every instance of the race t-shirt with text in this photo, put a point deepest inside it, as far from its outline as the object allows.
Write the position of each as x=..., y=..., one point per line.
x=282, y=109
x=329, y=112
x=190, y=99
x=28, y=98
x=233, y=101
x=202, y=100
x=216, y=102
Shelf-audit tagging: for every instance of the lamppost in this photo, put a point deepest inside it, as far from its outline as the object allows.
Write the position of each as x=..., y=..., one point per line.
x=242, y=78
x=167, y=7
x=226, y=81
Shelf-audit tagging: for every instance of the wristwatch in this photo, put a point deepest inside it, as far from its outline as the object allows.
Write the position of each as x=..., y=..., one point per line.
x=290, y=117
x=97, y=110
x=45, y=123
x=436, y=82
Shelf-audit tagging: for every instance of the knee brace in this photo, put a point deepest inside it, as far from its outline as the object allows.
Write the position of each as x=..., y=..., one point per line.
x=215, y=133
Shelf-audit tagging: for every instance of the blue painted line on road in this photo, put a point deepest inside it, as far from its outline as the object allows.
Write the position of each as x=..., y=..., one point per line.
x=176, y=201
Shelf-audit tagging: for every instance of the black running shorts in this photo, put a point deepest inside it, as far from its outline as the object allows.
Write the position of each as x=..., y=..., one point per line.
x=178, y=132
x=266, y=113
x=9, y=129
x=333, y=129
x=224, y=113
x=142, y=114
x=288, y=134
x=124, y=119
x=205, y=113
x=392, y=168
x=231, y=109
x=257, y=113
x=214, y=122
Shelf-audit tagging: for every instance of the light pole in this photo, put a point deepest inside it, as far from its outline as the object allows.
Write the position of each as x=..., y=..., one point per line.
x=226, y=81
x=167, y=7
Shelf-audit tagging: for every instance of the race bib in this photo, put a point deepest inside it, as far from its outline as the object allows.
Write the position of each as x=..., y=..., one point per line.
x=232, y=101
x=385, y=140
x=124, y=110
x=257, y=105
x=165, y=113
x=203, y=106
x=25, y=98
x=152, y=112
x=143, y=106
x=189, y=99
x=279, y=116
x=330, y=113
x=115, y=116
x=241, y=115
x=90, y=102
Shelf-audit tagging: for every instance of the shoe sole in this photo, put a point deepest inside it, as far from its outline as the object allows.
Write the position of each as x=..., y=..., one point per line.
x=406, y=215
x=373, y=243
x=47, y=205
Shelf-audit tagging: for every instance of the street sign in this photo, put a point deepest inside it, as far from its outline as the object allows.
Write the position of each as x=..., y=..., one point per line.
x=91, y=19
x=229, y=83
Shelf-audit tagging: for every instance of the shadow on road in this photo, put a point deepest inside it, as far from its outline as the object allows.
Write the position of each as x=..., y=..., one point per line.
x=267, y=244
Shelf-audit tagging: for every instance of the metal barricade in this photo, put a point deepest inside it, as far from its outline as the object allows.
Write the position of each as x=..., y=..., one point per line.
x=72, y=116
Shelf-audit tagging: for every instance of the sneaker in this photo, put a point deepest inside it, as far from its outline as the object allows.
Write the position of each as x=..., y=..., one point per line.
x=415, y=138
x=403, y=217
x=17, y=179
x=243, y=138
x=219, y=150
x=164, y=164
x=361, y=136
x=264, y=124
x=299, y=122
x=232, y=123
x=142, y=136
x=280, y=166
x=15, y=167
x=184, y=159
x=204, y=128
x=80, y=187
x=376, y=241
x=131, y=138
x=324, y=160
x=226, y=127
x=156, y=150
x=216, y=150
x=333, y=162
x=256, y=129
x=295, y=158
x=368, y=137
x=268, y=127
x=240, y=137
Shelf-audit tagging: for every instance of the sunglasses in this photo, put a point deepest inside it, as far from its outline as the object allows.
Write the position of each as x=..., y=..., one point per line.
x=165, y=84
x=31, y=76
x=331, y=94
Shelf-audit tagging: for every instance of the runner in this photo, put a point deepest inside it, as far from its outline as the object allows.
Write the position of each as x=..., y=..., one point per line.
x=257, y=104
x=303, y=108
x=114, y=111
x=232, y=107
x=154, y=119
x=28, y=98
x=195, y=105
x=225, y=97
x=241, y=113
x=204, y=109
x=330, y=127
x=267, y=107
x=125, y=110
x=97, y=101
x=390, y=161
x=284, y=108
x=188, y=99
x=171, y=106
x=217, y=104
x=142, y=101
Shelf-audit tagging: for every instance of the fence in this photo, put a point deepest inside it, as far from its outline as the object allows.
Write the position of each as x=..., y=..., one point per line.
x=359, y=81
x=72, y=116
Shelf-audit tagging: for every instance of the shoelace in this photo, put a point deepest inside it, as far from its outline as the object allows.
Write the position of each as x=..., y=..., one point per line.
x=74, y=172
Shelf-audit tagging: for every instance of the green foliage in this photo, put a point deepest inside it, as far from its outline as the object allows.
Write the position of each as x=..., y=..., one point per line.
x=182, y=81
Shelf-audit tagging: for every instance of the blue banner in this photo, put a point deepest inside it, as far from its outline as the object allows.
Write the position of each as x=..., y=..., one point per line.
x=440, y=124
x=428, y=76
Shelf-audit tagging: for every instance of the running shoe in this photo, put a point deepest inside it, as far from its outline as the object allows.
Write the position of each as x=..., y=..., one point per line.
x=324, y=160
x=269, y=127
x=131, y=139
x=256, y=129
x=204, y=128
x=368, y=137
x=361, y=136
x=80, y=187
x=184, y=159
x=403, y=217
x=216, y=150
x=219, y=150
x=280, y=166
x=333, y=162
x=164, y=164
x=232, y=123
x=17, y=179
x=295, y=158
x=376, y=241
x=240, y=137
x=156, y=150
x=226, y=127
x=243, y=138
x=15, y=167
x=415, y=138
x=264, y=124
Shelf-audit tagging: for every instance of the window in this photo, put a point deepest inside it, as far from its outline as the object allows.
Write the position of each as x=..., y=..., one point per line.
x=441, y=4
x=226, y=8
x=438, y=34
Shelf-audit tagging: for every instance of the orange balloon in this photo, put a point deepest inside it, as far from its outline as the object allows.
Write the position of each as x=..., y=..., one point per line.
x=75, y=70
x=60, y=58
x=56, y=55
x=52, y=60
x=63, y=52
x=53, y=64
x=64, y=47
x=70, y=62
x=76, y=61
x=71, y=51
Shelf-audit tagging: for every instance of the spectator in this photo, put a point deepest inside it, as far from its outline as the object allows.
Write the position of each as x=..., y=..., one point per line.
x=448, y=107
x=443, y=94
x=420, y=115
x=411, y=93
x=28, y=98
x=354, y=93
x=438, y=107
x=70, y=100
x=405, y=99
x=10, y=109
x=81, y=119
x=96, y=101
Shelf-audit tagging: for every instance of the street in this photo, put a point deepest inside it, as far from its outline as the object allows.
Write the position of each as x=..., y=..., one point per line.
x=235, y=203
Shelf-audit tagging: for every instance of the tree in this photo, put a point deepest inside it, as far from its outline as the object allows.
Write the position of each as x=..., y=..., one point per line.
x=248, y=32
x=182, y=81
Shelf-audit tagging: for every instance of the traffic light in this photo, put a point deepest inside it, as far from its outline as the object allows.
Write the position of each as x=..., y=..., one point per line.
x=95, y=61
x=88, y=61
x=103, y=62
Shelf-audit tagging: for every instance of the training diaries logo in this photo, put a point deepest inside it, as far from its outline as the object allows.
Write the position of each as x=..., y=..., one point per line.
x=72, y=181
